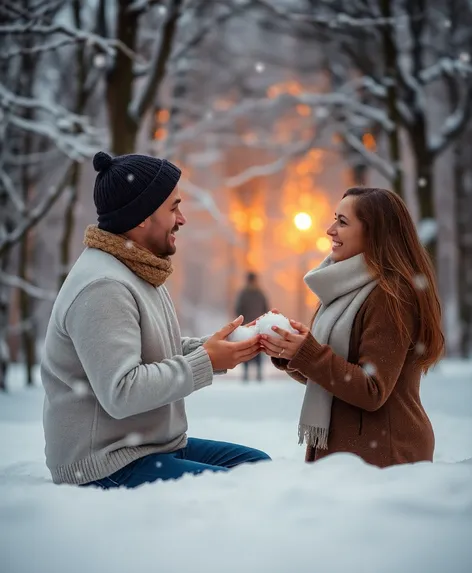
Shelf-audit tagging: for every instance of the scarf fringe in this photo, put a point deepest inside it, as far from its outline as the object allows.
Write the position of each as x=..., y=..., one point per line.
x=316, y=437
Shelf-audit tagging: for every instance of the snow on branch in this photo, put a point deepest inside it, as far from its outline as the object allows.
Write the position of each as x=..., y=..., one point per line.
x=157, y=68
x=108, y=45
x=269, y=168
x=255, y=106
x=27, y=287
x=206, y=201
x=373, y=159
x=37, y=50
x=211, y=25
x=454, y=123
x=72, y=133
x=335, y=20
x=14, y=197
x=445, y=66
x=35, y=214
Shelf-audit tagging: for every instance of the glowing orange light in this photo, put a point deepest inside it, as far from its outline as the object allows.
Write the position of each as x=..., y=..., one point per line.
x=303, y=109
x=323, y=244
x=303, y=221
x=369, y=142
x=160, y=133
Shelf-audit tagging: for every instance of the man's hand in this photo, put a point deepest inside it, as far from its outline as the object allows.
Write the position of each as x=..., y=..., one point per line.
x=225, y=355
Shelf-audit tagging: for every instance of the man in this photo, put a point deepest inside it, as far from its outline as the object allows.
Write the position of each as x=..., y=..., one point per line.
x=115, y=368
x=252, y=303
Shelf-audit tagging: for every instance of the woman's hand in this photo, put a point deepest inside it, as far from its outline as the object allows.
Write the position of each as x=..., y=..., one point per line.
x=287, y=346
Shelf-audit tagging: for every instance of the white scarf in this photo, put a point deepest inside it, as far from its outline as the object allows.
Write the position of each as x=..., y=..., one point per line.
x=342, y=288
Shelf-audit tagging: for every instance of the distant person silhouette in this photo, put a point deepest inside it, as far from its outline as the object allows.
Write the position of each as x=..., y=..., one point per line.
x=252, y=303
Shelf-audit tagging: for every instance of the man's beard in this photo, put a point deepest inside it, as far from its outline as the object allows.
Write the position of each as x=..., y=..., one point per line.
x=170, y=247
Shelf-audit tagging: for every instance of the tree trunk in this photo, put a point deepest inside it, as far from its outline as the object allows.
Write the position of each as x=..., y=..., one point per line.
x=424, y=178
x=25, y=302
x=463, y=186
x=125, y=118
x=69, y=222
x=120, y=83
x=81, y=101
x=390, y=60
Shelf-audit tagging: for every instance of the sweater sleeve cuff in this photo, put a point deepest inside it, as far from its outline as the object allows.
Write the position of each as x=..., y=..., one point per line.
x=202, y=369
x=280, y=363
x=216, y=372
x=305, y=355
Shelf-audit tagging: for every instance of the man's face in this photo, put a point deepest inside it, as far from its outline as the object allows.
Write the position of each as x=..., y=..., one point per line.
x=158, y=230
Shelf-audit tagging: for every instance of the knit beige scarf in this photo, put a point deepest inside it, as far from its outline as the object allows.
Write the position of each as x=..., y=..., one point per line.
x=154, y=270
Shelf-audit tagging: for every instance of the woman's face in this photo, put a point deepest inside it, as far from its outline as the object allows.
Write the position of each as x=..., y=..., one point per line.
x=347, y=232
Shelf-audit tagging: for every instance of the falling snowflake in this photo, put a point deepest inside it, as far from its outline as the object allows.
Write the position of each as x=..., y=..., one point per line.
x=158, y=464
x=373, y=444
x=209, y=114
x=420, y=282
x=422, y=181
x=129, y=244
x=78, y=474
x=464, y=57
x=99, y=60
x=347, y=378
x=384, y=432
x=447, y=23
x=133, y=439
x=162, y=10
x=260, y=67
x=369, y=369
x=321, y=112
x=130, y=178
x=332, y=382
x=80, y=388
x=420, y=348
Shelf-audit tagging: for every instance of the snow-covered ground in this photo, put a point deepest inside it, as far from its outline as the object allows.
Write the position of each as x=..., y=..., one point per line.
x=339, y=515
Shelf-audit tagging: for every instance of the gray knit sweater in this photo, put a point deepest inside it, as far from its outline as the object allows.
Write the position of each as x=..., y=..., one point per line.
x=115, y=370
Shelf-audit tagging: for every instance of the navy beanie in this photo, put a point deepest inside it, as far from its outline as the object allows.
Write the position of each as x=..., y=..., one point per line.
x=129, y=188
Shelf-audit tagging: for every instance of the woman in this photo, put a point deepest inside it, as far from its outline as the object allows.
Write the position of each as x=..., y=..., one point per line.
x=377, y=329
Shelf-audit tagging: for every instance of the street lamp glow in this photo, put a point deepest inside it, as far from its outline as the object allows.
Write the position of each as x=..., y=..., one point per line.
x=302, y=221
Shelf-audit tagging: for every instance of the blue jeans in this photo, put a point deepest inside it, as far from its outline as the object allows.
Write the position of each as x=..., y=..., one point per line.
x=197, y=456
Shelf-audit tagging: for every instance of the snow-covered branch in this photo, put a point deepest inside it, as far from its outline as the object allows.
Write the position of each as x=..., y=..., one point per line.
x=206, y=201
x=300, y=148
x=284, y=101
x=445, y=66
x=108, y=45
x=162, y=49
x=27, y=287
x=35, y=214
x=373, y=159
x=454, y=123
x=331, y=20
x=14, y=197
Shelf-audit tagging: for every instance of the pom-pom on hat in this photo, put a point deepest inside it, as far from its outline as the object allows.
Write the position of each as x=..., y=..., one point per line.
x=129, y=188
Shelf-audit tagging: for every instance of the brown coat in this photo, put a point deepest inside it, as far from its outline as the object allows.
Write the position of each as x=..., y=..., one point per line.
x=377, y=412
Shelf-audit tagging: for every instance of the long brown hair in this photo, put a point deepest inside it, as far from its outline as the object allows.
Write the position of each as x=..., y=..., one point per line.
x=402, y=266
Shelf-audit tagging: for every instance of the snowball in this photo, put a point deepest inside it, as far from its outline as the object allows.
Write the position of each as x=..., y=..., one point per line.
x=265, y=323
x=242, y=333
